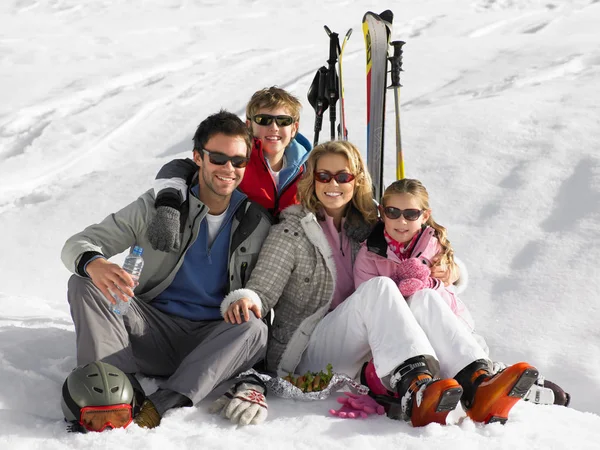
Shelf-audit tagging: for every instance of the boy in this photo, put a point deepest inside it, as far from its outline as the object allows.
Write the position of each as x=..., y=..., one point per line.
x=276, y=164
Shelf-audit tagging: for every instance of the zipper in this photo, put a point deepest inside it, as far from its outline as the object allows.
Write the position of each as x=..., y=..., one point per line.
x=243, y=273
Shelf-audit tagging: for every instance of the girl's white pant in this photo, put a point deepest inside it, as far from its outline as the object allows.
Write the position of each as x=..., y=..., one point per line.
x=377, y=321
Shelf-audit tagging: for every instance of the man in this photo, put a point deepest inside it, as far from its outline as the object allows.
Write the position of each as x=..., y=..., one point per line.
x=174, y=328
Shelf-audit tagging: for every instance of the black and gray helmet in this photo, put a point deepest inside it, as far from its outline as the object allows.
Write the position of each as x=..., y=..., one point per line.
x=97, y=384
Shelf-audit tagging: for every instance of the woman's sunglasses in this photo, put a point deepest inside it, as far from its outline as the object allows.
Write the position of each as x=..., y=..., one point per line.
x=324, y=176
x=267, y=119
x=395, y=213
x=220, y=159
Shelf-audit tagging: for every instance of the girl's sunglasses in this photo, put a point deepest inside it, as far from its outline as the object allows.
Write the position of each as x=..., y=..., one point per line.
x=324, y=176
x=219, y=159
x=395, y=213
x=267, y=119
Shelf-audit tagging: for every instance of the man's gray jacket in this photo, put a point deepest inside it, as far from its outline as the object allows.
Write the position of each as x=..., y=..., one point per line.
x=127, y=228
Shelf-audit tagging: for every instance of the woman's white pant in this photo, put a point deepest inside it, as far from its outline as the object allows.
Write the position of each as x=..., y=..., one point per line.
x=376, y=320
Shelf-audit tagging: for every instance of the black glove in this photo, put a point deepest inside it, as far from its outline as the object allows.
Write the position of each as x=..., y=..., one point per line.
x=163, y=231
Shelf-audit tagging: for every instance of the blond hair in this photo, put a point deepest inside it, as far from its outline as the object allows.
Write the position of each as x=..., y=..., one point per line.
x=362, y=198
x=418, y=191
x=271, y=98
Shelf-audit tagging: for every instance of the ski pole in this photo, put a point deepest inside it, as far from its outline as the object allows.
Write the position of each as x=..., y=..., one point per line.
x=396, y=68
x=318, y=100
x=332, y=86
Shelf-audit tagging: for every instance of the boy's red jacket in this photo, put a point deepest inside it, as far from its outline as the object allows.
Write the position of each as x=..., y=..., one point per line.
x=258, y=182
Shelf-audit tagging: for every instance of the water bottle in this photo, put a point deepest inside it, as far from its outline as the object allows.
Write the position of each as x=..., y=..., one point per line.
x=133, y=266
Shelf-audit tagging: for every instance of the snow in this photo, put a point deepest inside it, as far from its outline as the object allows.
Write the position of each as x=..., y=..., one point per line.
x=500, y=120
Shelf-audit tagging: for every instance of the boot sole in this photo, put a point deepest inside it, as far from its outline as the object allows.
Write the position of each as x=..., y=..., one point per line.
x=447, y=401
x=524, y=383
x=504, y=404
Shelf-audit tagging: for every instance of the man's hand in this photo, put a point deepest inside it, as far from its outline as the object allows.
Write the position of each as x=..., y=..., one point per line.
x=239, y=311
x=448, y=274
x=109, y=276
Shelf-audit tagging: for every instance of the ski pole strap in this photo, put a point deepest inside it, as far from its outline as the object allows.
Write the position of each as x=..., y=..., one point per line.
x=318, y=100
x=322, y=102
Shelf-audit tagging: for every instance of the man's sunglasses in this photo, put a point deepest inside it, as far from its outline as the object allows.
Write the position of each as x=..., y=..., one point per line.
x=220, y=159
x=324, y=176
x=267, y=119
x=395, y=213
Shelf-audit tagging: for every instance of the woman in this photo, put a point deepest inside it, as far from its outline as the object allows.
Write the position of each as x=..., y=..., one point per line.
x=305, y=273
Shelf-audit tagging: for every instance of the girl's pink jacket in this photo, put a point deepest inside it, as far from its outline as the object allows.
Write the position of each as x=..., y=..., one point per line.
x=375, y=259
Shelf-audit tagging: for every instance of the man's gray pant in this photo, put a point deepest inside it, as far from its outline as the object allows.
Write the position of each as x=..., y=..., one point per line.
x=194, y=356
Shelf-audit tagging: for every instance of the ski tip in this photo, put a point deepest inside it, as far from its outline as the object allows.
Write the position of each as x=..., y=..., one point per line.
x=370, y=13
x=387, y=16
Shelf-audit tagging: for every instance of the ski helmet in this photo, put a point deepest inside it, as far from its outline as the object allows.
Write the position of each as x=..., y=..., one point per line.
x=97, y=384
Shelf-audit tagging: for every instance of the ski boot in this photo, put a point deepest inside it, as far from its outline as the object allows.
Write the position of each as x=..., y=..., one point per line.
x=489, y=398
x=542, y=392
x=421, y=397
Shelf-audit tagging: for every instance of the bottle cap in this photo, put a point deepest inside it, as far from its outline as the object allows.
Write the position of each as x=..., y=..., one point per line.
x=137, y=250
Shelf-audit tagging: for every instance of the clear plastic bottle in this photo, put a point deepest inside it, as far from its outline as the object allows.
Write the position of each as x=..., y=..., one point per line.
x=133, y=265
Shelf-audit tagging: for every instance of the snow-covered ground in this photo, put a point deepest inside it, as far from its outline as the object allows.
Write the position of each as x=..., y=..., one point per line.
x=500, y=120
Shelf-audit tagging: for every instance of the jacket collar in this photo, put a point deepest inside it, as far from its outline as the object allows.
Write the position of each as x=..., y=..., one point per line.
x=237, y=198
x=376, y=242
x=296, y=154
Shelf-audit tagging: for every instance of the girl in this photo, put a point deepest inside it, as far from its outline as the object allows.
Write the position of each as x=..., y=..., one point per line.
x=403, y=245
x=305, y=273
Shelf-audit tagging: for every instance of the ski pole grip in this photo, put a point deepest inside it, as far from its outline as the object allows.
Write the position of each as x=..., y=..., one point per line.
x=396, y=62
x=334, y=48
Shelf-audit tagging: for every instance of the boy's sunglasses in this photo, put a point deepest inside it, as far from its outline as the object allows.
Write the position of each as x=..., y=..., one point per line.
x=220, y=159
x=395, y=213
x=267, y=119
x=341, y=177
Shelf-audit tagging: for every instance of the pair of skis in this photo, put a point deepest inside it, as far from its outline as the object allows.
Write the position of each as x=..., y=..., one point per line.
x=377, y=29
x=328, y=87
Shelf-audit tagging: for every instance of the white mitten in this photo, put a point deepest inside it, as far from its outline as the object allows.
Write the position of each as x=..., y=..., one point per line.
x=244, y=403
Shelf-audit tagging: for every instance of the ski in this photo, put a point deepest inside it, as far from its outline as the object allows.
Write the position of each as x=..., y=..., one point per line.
x=377, y=31
x=342, y=129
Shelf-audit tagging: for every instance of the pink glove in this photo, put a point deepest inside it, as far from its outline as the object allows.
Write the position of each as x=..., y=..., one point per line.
x=412, y=268
x=411, y=285
x=357, y=406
